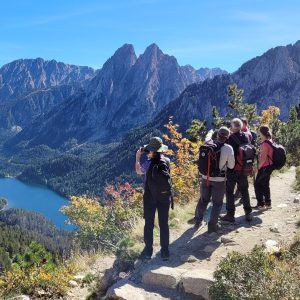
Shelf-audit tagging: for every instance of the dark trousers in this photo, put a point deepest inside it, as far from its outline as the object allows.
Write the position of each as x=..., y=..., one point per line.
x=213, y=191
x=241, y=180
x=262, y=186
x=163, y=217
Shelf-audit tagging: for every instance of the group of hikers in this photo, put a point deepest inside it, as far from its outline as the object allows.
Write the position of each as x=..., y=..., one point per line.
x=226, y=159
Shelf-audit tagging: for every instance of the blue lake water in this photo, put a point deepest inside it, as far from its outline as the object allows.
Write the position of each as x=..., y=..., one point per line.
x=34, y=198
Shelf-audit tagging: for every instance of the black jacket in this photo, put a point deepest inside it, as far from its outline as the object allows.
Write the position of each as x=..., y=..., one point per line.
x=232, y=141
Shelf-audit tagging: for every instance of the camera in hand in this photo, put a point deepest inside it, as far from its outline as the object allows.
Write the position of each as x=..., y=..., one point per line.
x=144, y=149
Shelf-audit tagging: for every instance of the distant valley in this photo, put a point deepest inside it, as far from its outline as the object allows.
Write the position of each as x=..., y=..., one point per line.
x=87, y=128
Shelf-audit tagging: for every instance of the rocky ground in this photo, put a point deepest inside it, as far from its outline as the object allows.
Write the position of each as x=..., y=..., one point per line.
x=195, y=254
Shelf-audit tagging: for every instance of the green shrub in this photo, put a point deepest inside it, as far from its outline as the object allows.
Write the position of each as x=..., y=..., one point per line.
x=257, y=275
x=36, y=275
x=127, y=253
x=88, y=278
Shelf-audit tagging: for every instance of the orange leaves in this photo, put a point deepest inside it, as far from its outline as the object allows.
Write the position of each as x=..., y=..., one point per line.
x=184, y=170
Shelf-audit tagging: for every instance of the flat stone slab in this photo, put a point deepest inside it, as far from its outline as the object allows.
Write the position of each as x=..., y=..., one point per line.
x=127, y=290
x=164, y=276
x=197, y=282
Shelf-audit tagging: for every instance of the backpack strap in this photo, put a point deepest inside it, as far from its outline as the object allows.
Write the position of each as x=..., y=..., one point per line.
x=165, y=162
x=272, y=145
x=234, y=137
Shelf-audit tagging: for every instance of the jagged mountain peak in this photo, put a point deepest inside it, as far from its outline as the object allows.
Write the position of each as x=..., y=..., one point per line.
x=152, y=52
x=23, y=76
x=123, y=58
x=124, y=51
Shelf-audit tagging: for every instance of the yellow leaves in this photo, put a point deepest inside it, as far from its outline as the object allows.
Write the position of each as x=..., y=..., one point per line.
x=53, y=283
x=270, y=115
x=184, y=170
x=118, y=211
x=85, y=213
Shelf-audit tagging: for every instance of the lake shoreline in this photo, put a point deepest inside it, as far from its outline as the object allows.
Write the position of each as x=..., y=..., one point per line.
x=34, y=197
x=33, y=183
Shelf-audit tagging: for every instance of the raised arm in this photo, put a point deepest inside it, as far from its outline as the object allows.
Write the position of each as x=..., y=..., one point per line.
x=138, y=168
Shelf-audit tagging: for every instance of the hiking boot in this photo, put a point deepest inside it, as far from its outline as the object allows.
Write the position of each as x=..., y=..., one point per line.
x=197, y=225
x=248, y=217
x=268, y=206
x=227, y=218
x=145, y=254
x=213, y=228
x=261, y=207
x=164, y=254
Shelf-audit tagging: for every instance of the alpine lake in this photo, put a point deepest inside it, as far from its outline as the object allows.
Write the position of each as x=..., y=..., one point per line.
x=34, y=198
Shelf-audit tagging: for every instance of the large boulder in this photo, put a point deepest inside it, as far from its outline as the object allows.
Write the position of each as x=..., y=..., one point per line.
x=125, y=290
x=198, y=282
x=164, y=276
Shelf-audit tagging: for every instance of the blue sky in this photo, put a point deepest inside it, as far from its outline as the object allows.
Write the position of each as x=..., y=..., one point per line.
x=220, y=33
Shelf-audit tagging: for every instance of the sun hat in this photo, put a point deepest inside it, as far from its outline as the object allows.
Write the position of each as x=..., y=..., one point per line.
x=156, y=145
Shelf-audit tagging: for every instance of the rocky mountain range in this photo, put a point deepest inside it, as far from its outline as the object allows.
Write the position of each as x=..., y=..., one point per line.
x=31, y=87
x=126, y=93
x=210, y=73
x=23, y=76
x=270, y=79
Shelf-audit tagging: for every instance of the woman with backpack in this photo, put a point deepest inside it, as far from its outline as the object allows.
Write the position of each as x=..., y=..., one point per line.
x=157, y=194
x=265, y=168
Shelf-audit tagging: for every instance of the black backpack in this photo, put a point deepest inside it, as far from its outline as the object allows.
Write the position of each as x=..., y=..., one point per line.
x=209, y=158
x=279, y=155
x=157, y=183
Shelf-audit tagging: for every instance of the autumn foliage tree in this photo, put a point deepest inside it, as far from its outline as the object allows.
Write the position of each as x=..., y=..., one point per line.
x=270, y=117
x=104, y=223
x=184, y=169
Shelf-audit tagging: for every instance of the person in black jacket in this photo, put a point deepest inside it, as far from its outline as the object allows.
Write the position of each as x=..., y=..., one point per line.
x=157, y=194
x=236, y=176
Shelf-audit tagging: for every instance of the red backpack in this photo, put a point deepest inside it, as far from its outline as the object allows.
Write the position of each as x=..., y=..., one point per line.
x=245, y=158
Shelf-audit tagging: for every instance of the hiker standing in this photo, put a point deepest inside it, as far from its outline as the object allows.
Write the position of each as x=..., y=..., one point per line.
x=252, y=136
x=214, y=158
x=250, y=133
x=244, y=154
x=246, y=130
x=265, y=169
x=157, y=194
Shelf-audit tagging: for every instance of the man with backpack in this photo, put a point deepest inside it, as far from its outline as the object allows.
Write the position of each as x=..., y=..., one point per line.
x=244, y=154
x=214, y=158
